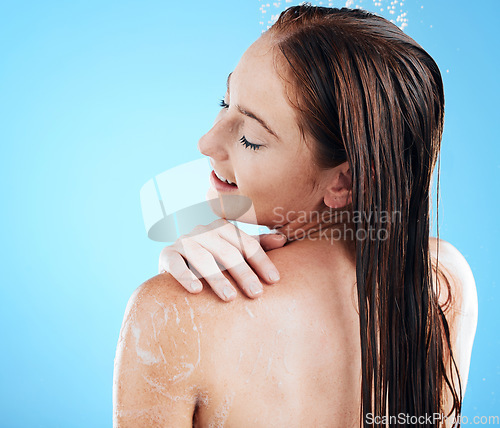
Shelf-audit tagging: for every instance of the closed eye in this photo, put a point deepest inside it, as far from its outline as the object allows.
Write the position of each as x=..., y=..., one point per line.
x=243, y=140
x=248, y=144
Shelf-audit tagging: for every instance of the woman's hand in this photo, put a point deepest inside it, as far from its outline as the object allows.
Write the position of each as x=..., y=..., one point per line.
x=197, y=255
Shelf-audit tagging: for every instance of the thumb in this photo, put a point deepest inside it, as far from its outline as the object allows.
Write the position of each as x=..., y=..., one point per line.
x=271, y=241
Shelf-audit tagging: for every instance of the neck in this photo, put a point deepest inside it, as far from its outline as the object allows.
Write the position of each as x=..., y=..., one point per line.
x=324, y=225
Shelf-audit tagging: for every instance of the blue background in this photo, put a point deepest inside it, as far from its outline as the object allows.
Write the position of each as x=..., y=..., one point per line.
x=97, y=97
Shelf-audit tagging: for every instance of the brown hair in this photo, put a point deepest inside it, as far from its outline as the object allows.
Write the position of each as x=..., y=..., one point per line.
x=368, y=94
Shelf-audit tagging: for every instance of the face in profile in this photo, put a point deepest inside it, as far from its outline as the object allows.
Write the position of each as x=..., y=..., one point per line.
x=255, y=142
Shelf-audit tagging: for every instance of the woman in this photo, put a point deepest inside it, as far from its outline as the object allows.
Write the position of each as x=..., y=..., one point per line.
x=331, y=126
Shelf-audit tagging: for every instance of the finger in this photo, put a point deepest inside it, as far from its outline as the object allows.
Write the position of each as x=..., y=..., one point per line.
x=271, y=241
x=207, y=267
x=232, y=259
x=252, y=252
x=173, y=263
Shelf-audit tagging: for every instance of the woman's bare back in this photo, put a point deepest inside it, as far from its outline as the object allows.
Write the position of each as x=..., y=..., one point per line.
x=290, y=358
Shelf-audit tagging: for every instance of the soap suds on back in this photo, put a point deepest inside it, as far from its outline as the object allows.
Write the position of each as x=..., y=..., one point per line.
x=222, y=412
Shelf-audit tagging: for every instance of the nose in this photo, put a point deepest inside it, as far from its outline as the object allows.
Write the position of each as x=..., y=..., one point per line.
x=215, y=142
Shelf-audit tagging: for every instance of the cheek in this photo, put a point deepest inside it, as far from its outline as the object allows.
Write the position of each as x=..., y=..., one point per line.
x=275, y=174
x=283, y=184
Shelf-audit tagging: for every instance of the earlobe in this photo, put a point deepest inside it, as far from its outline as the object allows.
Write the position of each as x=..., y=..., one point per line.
x=338, y=193
x=338, y=200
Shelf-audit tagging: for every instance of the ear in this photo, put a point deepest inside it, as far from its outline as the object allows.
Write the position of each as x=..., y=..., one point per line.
x=339, y=187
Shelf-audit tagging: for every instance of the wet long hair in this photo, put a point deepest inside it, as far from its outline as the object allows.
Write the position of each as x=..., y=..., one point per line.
x=368, y=94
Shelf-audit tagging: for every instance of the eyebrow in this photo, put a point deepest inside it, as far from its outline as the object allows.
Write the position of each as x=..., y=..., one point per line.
x=252, y=115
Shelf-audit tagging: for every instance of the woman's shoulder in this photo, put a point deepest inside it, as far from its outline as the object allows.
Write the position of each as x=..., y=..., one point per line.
x=455, y=270
x=307, y=289
x=166, y=307
x=157, y=357
x=462, y=311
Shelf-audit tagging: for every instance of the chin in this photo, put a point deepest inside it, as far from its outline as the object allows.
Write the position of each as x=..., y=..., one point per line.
x=232, y=206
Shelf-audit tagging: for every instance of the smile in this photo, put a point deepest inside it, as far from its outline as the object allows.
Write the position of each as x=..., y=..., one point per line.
x=221, y=184
x=221, y=178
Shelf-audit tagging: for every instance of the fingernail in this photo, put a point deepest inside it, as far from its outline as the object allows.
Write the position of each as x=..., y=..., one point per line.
x=274, y=275
x=229, y=292
x=255, y=288
x=196, y=286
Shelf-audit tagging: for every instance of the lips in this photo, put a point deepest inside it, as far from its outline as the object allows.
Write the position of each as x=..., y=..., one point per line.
x=222, y=178
x=220, y=185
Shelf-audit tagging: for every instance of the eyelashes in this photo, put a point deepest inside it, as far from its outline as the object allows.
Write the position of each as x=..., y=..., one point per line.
x=247, y=144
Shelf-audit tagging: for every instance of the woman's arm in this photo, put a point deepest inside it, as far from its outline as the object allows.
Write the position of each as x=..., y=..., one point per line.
x=157, y=359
